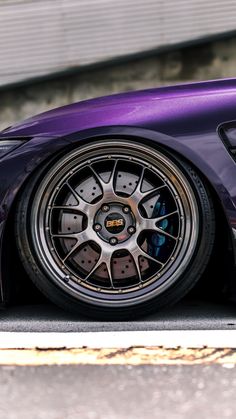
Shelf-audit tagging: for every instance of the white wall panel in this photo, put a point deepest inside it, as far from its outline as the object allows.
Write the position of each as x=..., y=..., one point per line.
x=40, y=37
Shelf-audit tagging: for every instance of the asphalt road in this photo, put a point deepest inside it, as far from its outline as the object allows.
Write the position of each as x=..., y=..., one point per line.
x=118, y=392
x=187, y=315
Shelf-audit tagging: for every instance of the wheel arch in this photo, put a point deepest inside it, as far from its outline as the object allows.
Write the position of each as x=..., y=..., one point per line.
x=162, y=142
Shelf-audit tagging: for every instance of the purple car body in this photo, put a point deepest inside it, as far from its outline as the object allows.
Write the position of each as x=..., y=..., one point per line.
x=185, y=119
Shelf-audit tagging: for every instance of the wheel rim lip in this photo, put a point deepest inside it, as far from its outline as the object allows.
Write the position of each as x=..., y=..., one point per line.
x=167, y=278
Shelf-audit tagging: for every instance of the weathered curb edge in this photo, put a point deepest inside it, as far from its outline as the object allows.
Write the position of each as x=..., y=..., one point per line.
x=125, y=339
x=124, y=356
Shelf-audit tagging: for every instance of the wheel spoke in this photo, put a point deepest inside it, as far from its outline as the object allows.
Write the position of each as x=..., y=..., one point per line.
x=82, y=206
x=140, y=181
x=152, y=191
x=150, y=224
x=65, y=236
x=74, y=193
x=80, y=237
x=163, y=217
x=107, y=187
x=108, y=265
x=74, y=248
x=104, y=258
x=135, y=257
x=65, y=207
x=138, y=252
x=138, y=195
x=164, y=233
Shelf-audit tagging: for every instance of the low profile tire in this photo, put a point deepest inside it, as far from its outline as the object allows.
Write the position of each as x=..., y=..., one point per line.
x=115, y=229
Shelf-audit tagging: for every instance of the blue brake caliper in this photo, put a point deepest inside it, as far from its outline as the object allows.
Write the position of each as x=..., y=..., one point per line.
x=158, y=240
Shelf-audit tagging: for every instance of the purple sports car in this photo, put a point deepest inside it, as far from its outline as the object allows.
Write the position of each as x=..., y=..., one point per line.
x=116, y=206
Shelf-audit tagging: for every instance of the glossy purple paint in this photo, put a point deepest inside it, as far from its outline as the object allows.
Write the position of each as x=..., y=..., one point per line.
x=173, y=110
x=182, y=118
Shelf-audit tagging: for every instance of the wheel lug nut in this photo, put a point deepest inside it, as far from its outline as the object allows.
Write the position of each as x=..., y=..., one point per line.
x=113, y=241
x=126, y=210
x=105, y=208
x=97, y=227
x=131, y=230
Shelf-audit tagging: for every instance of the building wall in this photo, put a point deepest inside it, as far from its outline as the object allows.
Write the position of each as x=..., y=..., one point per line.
x=48, y=36
x=209, y=61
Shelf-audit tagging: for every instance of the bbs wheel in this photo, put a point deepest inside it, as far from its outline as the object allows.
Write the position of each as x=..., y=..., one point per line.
x=115, y=229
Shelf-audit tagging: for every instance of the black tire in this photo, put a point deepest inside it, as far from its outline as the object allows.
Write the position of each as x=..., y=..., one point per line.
x=174, y=251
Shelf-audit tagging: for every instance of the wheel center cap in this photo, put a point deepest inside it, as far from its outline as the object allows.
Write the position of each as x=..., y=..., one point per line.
x=115, y=223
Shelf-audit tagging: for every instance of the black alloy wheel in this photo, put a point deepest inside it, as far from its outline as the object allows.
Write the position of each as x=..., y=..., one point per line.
x=115, y=229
